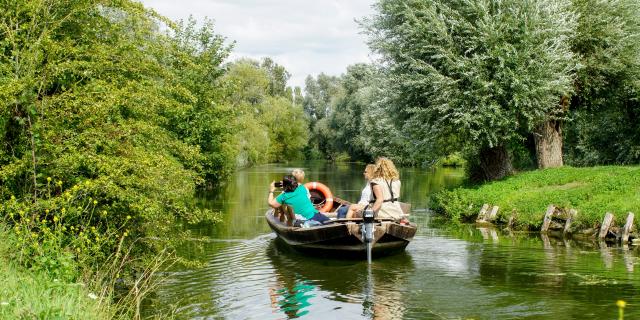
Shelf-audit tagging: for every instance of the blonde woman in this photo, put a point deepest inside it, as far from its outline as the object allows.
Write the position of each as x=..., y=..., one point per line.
x=365, y=196
x=385, y=186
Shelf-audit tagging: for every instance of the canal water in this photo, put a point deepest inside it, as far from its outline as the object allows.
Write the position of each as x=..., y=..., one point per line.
x=449, y=271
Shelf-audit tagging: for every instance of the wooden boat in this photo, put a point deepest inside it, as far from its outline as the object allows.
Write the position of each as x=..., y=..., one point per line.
x=343, y=237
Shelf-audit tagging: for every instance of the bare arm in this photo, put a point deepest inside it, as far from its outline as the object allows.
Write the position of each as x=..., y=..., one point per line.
x=377, y=191
x=272, y=200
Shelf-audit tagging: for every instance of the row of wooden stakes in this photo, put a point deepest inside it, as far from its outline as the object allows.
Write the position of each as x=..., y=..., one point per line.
x=554, y=215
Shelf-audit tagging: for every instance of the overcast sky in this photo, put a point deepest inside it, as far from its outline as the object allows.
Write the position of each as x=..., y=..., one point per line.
x=305, y=36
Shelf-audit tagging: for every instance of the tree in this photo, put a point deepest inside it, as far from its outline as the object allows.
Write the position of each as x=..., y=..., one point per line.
x=271, y=126
x=320, y=97
x=478, y=74
x=104, y=120
x=606, y=106
x=278, y=77
x=346, y=121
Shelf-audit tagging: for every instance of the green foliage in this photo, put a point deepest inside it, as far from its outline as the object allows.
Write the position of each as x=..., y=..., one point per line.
x=41, y=294
x=320, y=95
x=473, y=74
x=271, y=126
x=347, y=119
x=100, y=104
x=108, y=127
x=606, y=107
x=452, y=160
x=354, y=118
x=193, y=58
x=591, y=191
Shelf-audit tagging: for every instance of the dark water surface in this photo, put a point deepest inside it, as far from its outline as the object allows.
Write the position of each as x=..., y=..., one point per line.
x=447, y=272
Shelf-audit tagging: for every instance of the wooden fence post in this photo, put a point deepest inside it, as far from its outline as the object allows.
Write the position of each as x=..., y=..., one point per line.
x=547, y=218
x=606, y=224
x=492, y=213
x=483, y=212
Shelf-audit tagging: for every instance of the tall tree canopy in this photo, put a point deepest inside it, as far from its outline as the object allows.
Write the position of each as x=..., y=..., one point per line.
x=271, y=126
x=606, y=107
x=478, y=74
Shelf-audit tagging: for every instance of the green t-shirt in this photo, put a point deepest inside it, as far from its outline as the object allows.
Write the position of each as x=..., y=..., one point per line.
x=299, y=201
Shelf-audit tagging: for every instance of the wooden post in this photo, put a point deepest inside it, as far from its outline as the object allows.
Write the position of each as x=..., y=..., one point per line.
x=483, y=212
x=567, y=224
x=627, y=228
x=492, y=213
x=606, y=224
x=547, y=218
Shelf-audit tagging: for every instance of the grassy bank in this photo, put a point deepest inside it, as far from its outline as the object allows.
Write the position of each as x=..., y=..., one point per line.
x=31, y=294
x=592, y=191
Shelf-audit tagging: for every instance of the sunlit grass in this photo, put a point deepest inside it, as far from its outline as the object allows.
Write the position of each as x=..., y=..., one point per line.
x=28, y=294
x=592, y=191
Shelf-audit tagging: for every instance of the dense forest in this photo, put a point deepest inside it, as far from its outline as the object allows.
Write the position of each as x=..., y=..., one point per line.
x=113, y=116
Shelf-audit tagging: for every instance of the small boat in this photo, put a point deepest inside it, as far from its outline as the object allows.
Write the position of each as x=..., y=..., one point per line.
x=343, y=237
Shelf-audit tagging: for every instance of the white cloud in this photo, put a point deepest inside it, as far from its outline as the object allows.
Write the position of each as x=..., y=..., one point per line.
x=305, y=36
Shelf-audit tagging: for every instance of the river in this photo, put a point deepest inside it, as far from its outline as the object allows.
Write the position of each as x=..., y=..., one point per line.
x=449, y=271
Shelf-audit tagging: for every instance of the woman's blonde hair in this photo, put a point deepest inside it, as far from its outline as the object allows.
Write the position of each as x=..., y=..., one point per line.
x=369, y=171
x=299, y=174
x=385, y=169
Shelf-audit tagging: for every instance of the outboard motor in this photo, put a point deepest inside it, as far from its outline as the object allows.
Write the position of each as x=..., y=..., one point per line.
x=368, y=217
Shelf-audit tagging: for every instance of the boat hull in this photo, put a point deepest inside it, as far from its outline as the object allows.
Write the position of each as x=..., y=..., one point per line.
x=343, y=239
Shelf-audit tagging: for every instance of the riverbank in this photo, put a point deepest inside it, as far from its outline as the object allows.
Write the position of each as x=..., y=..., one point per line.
x=591, y=191
x=27, y=293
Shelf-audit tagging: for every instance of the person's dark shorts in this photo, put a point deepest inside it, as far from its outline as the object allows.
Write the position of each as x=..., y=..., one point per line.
x=320, y=218
x=342, y=212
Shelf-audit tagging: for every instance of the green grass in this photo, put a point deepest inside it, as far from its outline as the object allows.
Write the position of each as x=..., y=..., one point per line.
x=27, y=294
x=592, y=191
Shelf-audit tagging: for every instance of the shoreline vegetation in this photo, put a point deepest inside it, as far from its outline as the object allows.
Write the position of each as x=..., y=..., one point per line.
x=27, y=293
x=591, y=191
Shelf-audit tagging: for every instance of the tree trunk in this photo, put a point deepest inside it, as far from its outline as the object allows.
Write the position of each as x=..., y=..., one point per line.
x=495, y=162
x=548, y=138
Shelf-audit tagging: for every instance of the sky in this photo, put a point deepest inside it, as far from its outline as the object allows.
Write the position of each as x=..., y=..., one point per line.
x=307, y=37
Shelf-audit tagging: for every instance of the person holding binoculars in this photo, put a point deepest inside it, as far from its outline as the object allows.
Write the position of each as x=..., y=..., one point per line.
x=296, y=196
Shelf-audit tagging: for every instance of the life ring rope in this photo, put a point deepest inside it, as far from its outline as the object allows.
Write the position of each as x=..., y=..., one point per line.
x=326, y=192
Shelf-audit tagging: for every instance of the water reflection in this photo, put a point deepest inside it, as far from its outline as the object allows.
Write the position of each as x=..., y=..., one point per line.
x=378, y=289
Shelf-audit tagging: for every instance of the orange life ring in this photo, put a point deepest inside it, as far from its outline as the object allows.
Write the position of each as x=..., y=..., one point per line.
x=326, y=192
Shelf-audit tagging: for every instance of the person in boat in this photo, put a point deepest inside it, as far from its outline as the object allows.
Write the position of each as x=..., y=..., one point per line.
x=365, y=196
x=295, y=196
x=299, y=174
x=385, y=190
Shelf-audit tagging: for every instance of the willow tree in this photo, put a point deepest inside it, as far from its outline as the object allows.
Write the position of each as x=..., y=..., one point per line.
x=479, y=75
x=606, y=104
